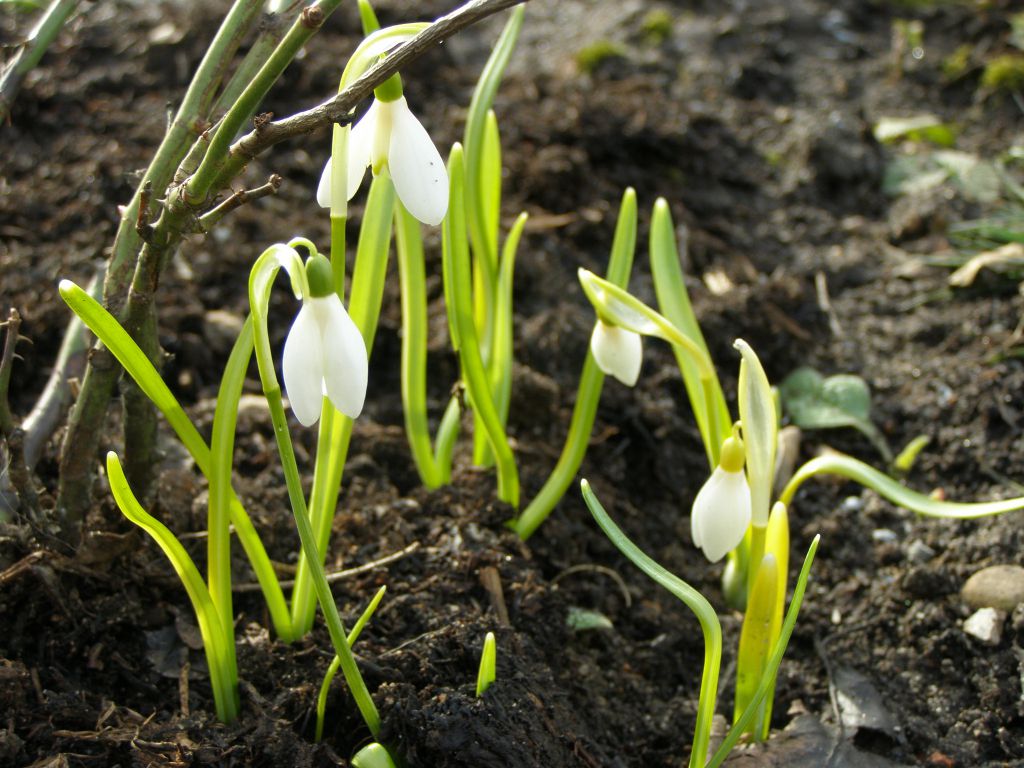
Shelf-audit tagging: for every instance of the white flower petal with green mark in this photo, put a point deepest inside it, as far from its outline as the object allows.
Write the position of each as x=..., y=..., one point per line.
x=421, y=180
x=721, y=514
x=617, y=352
x=324, y=354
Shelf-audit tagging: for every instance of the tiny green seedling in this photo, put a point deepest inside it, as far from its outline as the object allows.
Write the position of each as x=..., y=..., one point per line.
x=843, y=400
x=487, y=673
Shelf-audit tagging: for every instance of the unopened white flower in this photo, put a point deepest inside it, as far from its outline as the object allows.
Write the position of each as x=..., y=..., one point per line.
x=617, y=352
x=324, y=353
x=390, y=135
x=721, y=511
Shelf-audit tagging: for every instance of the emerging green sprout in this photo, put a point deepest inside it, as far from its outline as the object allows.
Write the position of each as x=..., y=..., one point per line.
x=488, y=665
x=373, y=756
x=324, y=353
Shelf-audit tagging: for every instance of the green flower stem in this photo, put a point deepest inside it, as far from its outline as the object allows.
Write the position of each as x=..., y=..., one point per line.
x=696, y=602
x=260, y=280
x=455, y=249
x=222, y=444
x=853, y=469
x=200, y=185
x=588, y=393
x=411, y=275
x=138, y=366
x=336, y=428
x=218, y=639
x=335, y=665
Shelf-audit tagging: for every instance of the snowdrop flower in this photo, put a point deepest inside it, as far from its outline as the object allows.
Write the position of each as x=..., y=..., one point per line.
x=617, y=352
x=390, y=135
x=721, y=511
x=324, y=353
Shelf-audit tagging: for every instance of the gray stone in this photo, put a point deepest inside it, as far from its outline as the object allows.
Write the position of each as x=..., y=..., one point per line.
x=986, y=624
x=918, y=552
x=998, y=586
x=221, y=328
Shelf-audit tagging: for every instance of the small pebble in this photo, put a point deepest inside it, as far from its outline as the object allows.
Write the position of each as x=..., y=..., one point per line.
x=919, y=552
x=883, y=535
x=986, y=624
x=852, y=504
x=998, y=586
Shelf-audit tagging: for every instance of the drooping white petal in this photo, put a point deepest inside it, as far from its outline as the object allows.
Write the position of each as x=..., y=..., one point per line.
x=721, y=514
x=323, y=189
x=617, y=352
x=303, y=367
x=360, y=147
x=344, y=356
x=417, y=169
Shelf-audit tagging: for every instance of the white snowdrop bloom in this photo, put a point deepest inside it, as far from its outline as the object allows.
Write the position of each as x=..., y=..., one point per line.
x=389, y=134
x=721, y=511
x=617, y=352
x=324, y=353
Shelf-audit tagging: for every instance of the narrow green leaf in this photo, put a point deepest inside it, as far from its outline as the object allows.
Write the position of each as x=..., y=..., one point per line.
x=455, y=252
x=709, y=409
x=335, y=665
x=757, y=637
x=502, y=354
x=694, y=600
x=223, y=674
x=138, y=366
x=478, y=184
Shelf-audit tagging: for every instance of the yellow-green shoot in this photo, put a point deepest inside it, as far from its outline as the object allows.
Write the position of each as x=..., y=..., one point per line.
x=488, y=671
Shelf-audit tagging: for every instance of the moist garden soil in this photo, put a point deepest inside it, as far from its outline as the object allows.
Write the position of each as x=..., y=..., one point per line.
x=754, y=120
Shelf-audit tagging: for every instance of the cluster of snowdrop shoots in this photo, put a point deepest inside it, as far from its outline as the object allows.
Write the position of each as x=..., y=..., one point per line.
x=325, y=371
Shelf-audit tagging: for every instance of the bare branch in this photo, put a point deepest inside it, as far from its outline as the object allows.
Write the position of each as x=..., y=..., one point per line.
x=237, y=200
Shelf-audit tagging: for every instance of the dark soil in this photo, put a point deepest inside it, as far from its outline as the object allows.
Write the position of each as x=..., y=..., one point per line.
x=754, y=121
